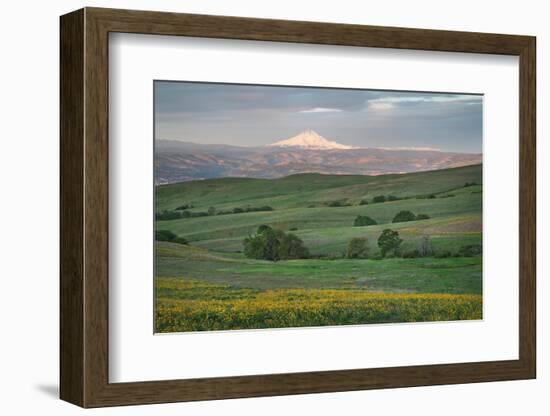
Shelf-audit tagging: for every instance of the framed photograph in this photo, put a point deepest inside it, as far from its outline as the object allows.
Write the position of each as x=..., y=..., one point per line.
x=255, y=207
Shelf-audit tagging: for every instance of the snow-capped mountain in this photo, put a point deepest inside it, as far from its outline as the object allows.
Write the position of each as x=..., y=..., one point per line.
x=177, y=161
x=310, y=139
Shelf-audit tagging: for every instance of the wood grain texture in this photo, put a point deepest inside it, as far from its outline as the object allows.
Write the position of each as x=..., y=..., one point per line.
x=528, y=207
x=71, y=100
x=84, y=207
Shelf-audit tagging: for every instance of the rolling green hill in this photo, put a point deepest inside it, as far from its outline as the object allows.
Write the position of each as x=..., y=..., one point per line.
x=303, y=190
x=210, y=284
x=300, y=204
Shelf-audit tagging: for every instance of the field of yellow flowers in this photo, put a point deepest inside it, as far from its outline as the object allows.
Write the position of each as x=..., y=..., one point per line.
x=193, y=305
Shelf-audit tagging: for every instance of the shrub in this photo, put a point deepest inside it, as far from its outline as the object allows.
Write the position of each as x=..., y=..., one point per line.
x=212, y=211
x=363, y=202
x=168, y=215
x=467, y=184
x=189, y=214
x=363, y=220
x=470, y=250
x=270, y=244
x=294, y=229
x=412, y=254
x=357, y=248
x=262, y=228
x=184, y=207
x=241, y=210
x=340, y=203
x=403, y=216
x=393, y=198
x=422, y=217
x=292, y=247
x=443, y=254
x=180, y=240
x=164, y=235
x=167, y=235
x=379, y=198
x=389, y=241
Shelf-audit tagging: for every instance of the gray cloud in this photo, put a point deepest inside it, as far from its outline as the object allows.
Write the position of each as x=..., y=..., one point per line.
x=250, y=115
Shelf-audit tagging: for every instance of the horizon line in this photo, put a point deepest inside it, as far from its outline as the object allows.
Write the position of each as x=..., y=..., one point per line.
x=403, y=148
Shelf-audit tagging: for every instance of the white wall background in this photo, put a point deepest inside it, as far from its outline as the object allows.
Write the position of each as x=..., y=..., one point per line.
x=29, y=159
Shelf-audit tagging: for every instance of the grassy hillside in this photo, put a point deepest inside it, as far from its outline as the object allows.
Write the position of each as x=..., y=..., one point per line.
x=309, y=189
x=211, y=274
x=299, y=204
x=426, y=275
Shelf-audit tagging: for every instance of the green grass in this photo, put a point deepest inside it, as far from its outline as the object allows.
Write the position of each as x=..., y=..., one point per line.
x=208, y=284
x=225, y=233
x=309, y=189
x=423, y=275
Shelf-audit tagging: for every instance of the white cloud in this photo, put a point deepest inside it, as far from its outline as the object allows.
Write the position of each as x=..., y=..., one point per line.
x=425, y=99
x=374, y=105
x=320, y=110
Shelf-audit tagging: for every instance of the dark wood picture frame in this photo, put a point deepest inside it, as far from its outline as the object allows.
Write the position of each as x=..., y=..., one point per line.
x=84, y=207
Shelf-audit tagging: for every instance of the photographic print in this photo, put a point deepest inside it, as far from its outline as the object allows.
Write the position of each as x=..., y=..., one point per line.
x=289, y=206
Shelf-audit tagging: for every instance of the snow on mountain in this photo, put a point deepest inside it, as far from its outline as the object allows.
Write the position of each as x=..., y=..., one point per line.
x=310, y=139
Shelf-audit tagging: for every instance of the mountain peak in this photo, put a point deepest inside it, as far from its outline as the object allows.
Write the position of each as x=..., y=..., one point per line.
x=310, y=139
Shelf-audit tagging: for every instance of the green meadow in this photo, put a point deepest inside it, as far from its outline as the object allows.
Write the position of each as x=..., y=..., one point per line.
x=209, y=283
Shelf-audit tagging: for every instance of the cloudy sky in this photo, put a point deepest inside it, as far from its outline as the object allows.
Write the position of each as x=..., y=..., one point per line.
x=250, y=115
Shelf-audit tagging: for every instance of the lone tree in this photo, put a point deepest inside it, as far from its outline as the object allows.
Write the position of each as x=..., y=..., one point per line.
x=357, y=248
x=270, y=244
x=389, y=241
x=403, y=216
x=425, y=247
x=363, y=220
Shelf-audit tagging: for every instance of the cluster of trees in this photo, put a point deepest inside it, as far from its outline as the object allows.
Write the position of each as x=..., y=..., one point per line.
x=274, y=245
x=383, y=198
x=167, y=235
x=403, y=216
x=183, y=212
x=358, y=248
x=176, y=215
x=375, y=200
x=239, y=210
x=388, y=242
x=184, y=207
x=425, y=249
x=339, y=203
x=363, y=220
